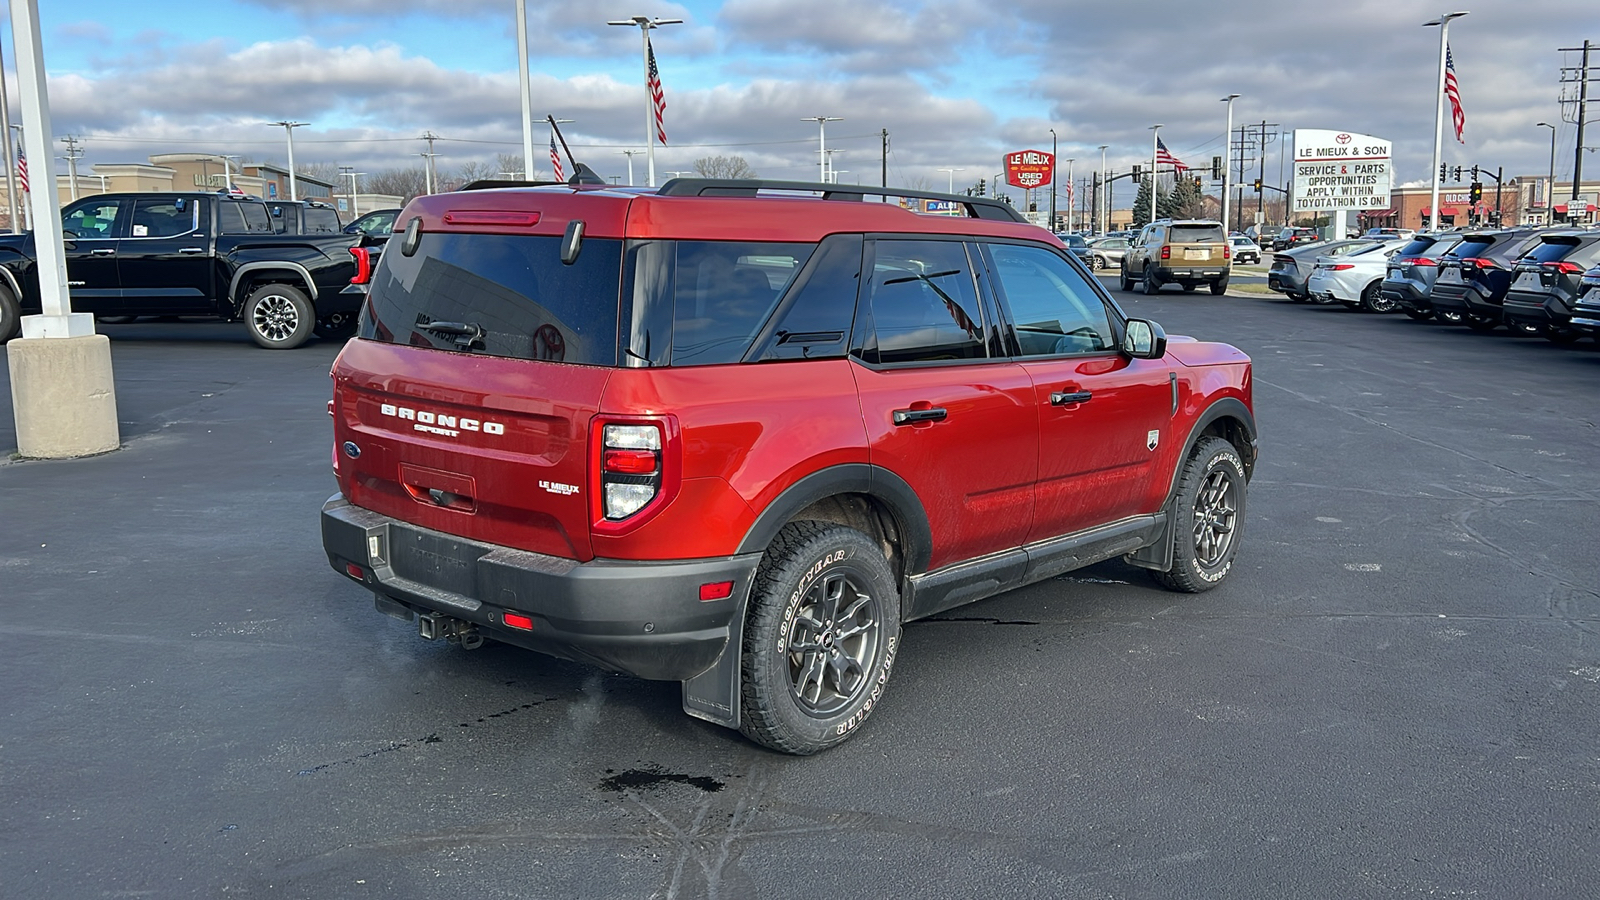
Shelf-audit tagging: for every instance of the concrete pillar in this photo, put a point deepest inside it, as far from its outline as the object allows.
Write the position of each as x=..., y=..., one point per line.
x=63, y=397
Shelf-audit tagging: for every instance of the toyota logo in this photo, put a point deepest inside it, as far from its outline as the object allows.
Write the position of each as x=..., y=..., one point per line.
x=1343, y=138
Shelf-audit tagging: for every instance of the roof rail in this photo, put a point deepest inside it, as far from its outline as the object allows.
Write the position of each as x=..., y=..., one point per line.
x=976, y=207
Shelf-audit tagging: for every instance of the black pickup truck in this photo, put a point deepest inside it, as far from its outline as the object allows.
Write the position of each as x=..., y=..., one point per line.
x=191, y=254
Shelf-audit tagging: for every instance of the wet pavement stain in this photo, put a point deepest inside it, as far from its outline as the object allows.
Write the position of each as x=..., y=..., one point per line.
x=645, y=779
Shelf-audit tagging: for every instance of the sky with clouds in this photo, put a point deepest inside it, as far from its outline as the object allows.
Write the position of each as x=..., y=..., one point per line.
x=957, y=83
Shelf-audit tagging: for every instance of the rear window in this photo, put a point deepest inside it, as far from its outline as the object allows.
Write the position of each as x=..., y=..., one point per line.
x=321, y=221
x=499, y=295
x=1549, y=250
x=1194, y=234
x=1473, y=247
x=1429, y=246
x=234, y=217
x=1073, y=240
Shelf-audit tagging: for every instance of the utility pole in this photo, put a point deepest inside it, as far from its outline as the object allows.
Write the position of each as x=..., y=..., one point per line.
x=1227, y=164
x=884, y=161
x=430, y=137
x=75, y=152
x=1106, y=184
x=1054, y=162
x=1581, y=77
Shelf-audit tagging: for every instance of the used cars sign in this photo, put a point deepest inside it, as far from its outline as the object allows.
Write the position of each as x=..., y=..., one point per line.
x=1030, y=168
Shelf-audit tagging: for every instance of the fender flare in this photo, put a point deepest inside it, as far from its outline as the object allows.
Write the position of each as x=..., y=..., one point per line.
x=1158, y=555
x=11, y=282
x=238, y=275
x=911, y=520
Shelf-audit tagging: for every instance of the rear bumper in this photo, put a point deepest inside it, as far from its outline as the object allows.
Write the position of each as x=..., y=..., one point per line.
x=1408, y=294
x=1465, y=299
x=1186, y=275
x=1536, y=308
x=641, y=618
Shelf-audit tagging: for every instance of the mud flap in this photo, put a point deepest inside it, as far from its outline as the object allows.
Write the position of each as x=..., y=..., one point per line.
x=713, y=695
x=1158, y=554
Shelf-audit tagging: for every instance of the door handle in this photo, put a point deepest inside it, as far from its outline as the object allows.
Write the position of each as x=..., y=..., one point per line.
x=192, y=250
x=104, y=251
x=913, y=416
x=1064, y=398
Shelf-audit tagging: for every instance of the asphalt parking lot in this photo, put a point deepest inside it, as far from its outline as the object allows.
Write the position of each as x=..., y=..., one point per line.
x=1394, y=695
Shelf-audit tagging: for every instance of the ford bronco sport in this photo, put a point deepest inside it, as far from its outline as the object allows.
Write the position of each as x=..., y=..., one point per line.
x=736, y=433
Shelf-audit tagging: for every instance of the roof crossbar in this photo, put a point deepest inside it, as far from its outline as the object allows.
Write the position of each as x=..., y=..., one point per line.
x=976, y=207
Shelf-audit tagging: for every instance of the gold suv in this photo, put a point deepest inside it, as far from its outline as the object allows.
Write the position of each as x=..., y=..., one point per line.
x=1190, y=252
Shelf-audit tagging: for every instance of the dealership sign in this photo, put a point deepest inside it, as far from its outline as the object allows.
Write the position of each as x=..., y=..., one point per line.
x=1341, y=170
x=1030, y=168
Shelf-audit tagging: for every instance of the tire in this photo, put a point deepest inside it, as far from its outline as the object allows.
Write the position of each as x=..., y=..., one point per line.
x=1562, y=336
x=1151, y=286
x=1421, y=315
x=1096, y=263
x=10, y=315
x=1124, y=281
x=1373, y=300
x=1219, y=287
x=1450, y=318
x=1188, y=288
x=804, y=685
x=1208, y=517
x=336, y=327
x=115, y=320
x=279, y=316
x=1481, y=324
x=1297, y=298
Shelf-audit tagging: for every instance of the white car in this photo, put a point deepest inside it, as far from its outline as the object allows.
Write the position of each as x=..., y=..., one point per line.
x=1245, y=251
x=1354, y=279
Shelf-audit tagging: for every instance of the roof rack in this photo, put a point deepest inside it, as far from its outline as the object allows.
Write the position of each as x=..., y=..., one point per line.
x=976, y=207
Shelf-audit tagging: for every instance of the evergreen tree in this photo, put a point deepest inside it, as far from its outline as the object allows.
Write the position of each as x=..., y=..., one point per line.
x=1141, y=205
x=1184, y=201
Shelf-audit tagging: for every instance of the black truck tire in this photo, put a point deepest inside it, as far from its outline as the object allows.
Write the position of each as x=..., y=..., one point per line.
x=279, y=316
x=10, y=315
x=1220, y=286
x=1208, y=517
x=819, y=639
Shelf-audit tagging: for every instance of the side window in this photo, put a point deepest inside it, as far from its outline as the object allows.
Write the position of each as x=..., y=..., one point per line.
x=923, y=303
x=95, y=219
x=814, y=321
x=321, y=221
x=724, y=292
x=1052, y=309
x=155, y=217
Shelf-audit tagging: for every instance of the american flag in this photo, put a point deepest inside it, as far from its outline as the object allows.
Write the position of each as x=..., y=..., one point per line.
x=1164, y=156
x=555, y=160
x=658, y=97
x=22, y=168
x=1453, y=91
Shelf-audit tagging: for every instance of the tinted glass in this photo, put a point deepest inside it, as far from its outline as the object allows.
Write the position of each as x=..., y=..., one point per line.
x=723, y=293
x=814, y=320
x=321, y=221
x=234, y=217
x=510, y=294
x=1073, y=240
x=924, y=304
x=1193, y=234
x=92, y=220
x=1474, y=246
x=1053, y=310
x=1551, y=251
x=163, y=217
x=376, y=223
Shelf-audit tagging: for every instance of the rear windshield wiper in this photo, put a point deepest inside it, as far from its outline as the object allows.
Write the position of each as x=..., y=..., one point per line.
x=467, y=334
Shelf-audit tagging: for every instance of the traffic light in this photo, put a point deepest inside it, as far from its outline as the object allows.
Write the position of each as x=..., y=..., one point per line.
x=1474, y=173
x=1216, y=168
x=1033, y=207
x=1455, y=173
x=1138, y=172
x=1258, y=185
x=1476, y=192
x=983, y=187
x=1197, y=183
x=1442, y=170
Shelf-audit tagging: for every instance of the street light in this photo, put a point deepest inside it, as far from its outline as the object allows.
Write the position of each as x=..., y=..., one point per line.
x=1155, y=142
x=1438, y=111
x=953, y=172
x=1550, y=189
x=1104, y=225
x=822, y=143
x=227, y=171
x=351, y=173
x=1053, y=181
x=1227, y=160
x=630, y=154
x=1072, y=194
x=288, y=130
x=645, y=24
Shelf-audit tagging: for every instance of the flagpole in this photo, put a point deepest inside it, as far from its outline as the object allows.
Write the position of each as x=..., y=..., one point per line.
x=5, y=131
x=1155, y=142
x=645, y=23
x=527, y=94
x=1438, y=115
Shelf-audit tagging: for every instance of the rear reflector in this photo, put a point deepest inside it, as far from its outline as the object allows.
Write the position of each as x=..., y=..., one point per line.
x=355, y=571
x=517, y=620
x=716, y=590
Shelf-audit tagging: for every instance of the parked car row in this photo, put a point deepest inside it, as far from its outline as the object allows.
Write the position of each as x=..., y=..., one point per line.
x=1543, y=282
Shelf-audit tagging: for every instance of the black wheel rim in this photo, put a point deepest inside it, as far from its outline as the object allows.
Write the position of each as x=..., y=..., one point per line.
x=1215, y=518
x=832, y=642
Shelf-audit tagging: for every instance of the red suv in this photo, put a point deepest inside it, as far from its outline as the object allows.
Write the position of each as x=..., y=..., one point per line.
x=735, y=434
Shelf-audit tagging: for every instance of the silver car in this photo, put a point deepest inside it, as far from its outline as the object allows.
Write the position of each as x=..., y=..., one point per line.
x=1106, y=252
x=1355, y=278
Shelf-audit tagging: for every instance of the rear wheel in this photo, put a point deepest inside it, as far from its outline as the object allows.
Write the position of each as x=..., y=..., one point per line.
x=1373, y=300
x=1219, y=287
x=1450, y=318
x=1557, y=334
x=1150, y=283
x=1208, y=517
x=1481, y=324
x=1421, y=315
x=819, y=640
x=1188, y=288
x=1124, y=280
x=10, y=315
x=279, y=316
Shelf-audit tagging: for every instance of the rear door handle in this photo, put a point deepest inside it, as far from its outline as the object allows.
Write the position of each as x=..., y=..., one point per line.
x=913, y=416
x=1063, y=398
x=104, y=251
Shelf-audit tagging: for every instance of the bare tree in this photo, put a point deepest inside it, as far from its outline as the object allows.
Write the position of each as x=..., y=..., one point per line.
x=327, y=172
x=476, y=171
x=406, y=183
x=723, y=167
x=512, y=163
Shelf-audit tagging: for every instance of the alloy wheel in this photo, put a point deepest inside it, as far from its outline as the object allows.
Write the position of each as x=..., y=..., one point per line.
x=1215, y=516
x=276, y=318
x=833, y=638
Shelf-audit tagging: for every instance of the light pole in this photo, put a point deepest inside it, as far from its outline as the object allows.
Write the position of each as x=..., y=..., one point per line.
x=1155, y=142
x=832, y=176
x=630, y=154
x=953, y=172
x=645, y=24
x=1053, y=182
x=351, y=173
x=11, y=168
x=1438, y=112
x=288, y=130
x=1072, y=192
x=427, y=169
x=527, y=98
x=1227, y=161
x=1550, y=189
x=822, y=143
x=227, y=171
x=1105, y=187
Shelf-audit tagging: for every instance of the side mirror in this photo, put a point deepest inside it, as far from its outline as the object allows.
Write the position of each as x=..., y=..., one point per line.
x=1144, y=339
x=572, y=241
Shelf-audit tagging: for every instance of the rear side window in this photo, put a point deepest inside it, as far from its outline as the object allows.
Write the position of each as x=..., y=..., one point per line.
x=321, y=221
x=1194, y=234
x=723, y=293
x=923, y=305
x=814, y=320
x=163, y=217
x=242, y=218
x=499, y=295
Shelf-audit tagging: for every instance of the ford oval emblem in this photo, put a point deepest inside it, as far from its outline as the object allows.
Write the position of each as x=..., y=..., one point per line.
x=351, y=450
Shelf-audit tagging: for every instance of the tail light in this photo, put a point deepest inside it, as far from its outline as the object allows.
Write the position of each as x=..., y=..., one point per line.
x=1565, y=268
x=1166, y=252
x=1419, y=261
x=636, y=468
x=1479, y=261
x=1340, y=267
x=1227, y=252
x=363, y=257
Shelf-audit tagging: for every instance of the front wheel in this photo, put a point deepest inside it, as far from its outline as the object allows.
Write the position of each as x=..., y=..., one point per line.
x=1450, y=318
x=819, y=640
x=279, y=316
x=1124, y=280
x=1096, y=263
x=1208, y=517
x=1151, y=286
